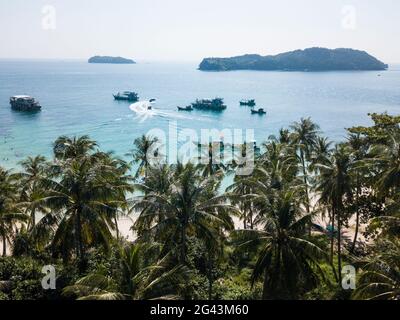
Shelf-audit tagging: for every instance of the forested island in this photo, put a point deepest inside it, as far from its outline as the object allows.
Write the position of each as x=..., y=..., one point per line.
x=312, y=59
x=112, y=60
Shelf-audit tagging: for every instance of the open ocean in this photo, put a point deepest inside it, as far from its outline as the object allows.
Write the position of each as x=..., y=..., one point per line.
x=76, y=99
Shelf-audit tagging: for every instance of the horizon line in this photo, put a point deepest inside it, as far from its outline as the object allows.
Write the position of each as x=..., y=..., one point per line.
x=86, y=59
x=137, y=61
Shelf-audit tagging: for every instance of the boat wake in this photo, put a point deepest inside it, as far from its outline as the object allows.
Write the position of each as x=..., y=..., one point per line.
x=145, y=110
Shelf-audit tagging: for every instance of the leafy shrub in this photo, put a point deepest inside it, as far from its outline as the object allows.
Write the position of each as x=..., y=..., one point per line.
x=237, y=287
x=4, y=296
x=28, y=290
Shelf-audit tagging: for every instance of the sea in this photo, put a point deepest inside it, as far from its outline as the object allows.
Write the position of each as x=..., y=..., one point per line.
x=77, y=99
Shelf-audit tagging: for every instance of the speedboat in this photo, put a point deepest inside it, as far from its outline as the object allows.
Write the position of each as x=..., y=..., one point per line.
x=188, y=108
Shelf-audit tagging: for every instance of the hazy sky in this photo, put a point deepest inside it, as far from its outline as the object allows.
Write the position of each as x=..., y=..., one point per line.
x=190, y=30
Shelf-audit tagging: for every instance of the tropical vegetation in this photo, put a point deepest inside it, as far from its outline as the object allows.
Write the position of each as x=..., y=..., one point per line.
x=309, y=208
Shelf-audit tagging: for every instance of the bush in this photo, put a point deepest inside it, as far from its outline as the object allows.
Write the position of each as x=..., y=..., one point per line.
x=196, y=288
x=25, y=275
x=28, y=290
x=4, y=296
x=237, y=287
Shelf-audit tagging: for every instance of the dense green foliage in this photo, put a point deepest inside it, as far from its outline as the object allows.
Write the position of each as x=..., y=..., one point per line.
x=279, y=233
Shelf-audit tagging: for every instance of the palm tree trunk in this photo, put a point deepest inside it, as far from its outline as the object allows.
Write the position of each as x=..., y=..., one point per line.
x=4, y=245
x=116, y=226
x=210, y=280
x=251, y=217
x=333, y=234
x=333, y=243
x=79, y=244
x=33, y=219
x=265, y=295
x=245, y=218
x=210, y=289
x=303, y=162
x=339, y=247
x=353, y=246
x=183, y=245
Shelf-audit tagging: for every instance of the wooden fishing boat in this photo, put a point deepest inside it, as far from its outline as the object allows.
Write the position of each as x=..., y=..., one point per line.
x=259, y=111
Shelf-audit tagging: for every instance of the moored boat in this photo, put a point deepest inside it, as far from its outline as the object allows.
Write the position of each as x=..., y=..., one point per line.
x=250, y=103
x=187, y=108
x=24, y=103
x=259, y=111
x=127, y=96
x=216, y=104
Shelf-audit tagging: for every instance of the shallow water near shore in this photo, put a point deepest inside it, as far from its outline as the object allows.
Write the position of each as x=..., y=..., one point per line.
x=77, y=99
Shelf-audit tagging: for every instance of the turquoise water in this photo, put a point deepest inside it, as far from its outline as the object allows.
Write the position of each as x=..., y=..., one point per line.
x=77, y=99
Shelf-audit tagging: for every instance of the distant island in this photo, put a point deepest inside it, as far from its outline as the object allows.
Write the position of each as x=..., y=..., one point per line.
x=312, y=59
x=114, y=60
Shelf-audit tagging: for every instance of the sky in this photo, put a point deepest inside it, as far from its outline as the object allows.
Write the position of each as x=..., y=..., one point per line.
x=189, y=30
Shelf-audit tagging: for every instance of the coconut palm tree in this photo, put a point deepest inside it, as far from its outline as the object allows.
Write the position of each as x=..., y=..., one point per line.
x=334, y=184
x=321, y=152
x=380, y=277
x=191, y=206
x=144, y=152
x=284, y=136
x=279, y=161
x=274, y=170
x=32, y=192
x=238, y=194
x=304, y=137
x=358, y=170
x=70, y=148
x=211, y=158
x=134, y=280
x=158, y=182
x=387, y=158
x=9, y=211
x=213, y=257
x=116, y=177
x=87, y=190
x=288, y=261
x=81, y=201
